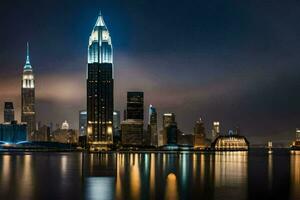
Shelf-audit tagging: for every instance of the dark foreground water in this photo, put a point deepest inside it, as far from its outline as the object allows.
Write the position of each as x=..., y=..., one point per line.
x=227, y=175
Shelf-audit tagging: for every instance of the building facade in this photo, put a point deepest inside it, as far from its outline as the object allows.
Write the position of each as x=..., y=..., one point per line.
x=28, y=97
x=215, y=132
x=9, y=112
x=199, y=134
x=132, y=129
x=82, y=122
x=100, y=88
x=135, y=105
x=152, y=126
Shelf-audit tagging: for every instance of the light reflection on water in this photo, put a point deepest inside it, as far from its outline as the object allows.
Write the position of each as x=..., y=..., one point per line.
x=179, y=175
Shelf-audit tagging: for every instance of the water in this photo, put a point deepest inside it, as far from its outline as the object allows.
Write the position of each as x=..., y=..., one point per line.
x=228, y=175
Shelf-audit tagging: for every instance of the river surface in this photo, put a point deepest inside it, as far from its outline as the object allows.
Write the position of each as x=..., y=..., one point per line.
x=181, y=175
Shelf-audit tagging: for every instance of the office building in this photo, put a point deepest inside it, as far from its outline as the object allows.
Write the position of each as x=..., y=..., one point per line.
x=168, y=118
x=132, y=129
x=9, y=112
x=100, y=88
x=82, y=122
x=135, y=105
x=117, y=127
x=152, y=126
x=132, y=132
x=199, y=135
x=215, y=130
x=28, y=97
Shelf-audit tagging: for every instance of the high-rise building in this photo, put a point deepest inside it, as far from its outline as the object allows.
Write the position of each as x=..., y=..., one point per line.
x=152, y=126
x=117, y=119
x=133, y=127
x=9, y=112
x=100, y=88
x=199, y=134
x=298, y=134
x=117, y=127
x=168, y=118
x=28, y=97
x=135, y=105
x=82, y=122
x=215, y=131
x=170, y=130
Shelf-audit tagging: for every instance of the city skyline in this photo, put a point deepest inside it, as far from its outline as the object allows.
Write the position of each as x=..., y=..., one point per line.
x=238, y=107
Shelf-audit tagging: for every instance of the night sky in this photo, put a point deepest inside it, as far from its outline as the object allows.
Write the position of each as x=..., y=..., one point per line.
x=233, y=61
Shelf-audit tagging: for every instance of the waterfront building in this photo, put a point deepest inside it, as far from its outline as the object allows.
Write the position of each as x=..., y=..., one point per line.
x=100, y=88
x=132, y=132
x=296, y=143
x=186, y=140
x=170, y=130
x=12, y=133
x=152, y=126
x=199, y=135
x=215, y=130
x=230, y=142
x=28, y=97
x=82, y=122
x=9, y=112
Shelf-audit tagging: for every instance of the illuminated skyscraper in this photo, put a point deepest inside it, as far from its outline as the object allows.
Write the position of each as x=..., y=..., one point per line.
x=215, y=131
x=168, y=118
x=9, y=113
x=100, y=87
x=28, y=97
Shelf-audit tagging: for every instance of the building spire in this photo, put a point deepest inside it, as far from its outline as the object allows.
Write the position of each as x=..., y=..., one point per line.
x=27, y=64
x=27, y=55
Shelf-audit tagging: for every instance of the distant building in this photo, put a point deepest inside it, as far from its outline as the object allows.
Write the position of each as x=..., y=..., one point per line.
x=28, y=97
x=296, y=143
x=152, y=126
x=64, y=134
x=100, y=88
x=82, y=122
x=298, y=134
x=185, y=139
x=9, y=112
x=168, y=118
x=43, y=133
x=117, y=127
x=132, y=132
x=12, y=133
x=199, y=135
x=132, y=129
x=215, y=130
x=229, y=143
x=169, y=133
x=135, y=105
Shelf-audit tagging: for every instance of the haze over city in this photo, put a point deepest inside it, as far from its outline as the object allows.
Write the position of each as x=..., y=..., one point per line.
x=234, y=62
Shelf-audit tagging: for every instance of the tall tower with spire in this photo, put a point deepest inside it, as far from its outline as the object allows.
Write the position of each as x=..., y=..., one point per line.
x=28, y=97
x=100, y=88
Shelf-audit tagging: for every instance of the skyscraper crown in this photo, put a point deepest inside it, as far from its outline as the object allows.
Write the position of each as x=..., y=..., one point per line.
x=27, y=66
